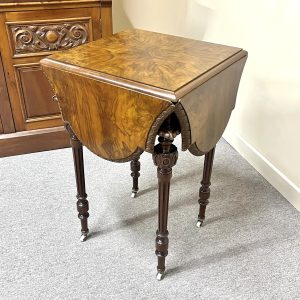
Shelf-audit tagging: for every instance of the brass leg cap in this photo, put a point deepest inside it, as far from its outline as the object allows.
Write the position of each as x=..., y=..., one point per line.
x=133, y=194
x=159, y=276
x=199, y=224
x=83, y=237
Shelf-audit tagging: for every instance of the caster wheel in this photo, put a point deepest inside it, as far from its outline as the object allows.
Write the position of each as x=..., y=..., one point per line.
x=199, y=224
x=83, y=237
x=133, y=195
x=159, y=276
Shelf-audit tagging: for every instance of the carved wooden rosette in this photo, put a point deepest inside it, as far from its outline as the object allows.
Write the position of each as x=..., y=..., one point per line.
x=165, y=161
x=29, y=38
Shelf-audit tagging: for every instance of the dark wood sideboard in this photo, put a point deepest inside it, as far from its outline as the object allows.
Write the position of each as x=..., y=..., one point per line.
x=30, y=119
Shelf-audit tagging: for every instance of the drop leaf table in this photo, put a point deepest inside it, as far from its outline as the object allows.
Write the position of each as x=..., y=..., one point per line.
x=119, y=93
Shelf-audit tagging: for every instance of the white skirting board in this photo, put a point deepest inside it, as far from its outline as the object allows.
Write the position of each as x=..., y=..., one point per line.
x=275, y=177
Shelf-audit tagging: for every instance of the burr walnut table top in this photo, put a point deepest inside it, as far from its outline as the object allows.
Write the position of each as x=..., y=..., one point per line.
x=151, y=62
x=116, y=92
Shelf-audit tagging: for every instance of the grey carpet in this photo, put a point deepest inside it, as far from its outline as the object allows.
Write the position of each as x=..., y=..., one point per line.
x=249, y=247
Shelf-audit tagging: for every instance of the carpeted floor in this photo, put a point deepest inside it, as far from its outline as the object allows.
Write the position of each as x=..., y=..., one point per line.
x=249, y=247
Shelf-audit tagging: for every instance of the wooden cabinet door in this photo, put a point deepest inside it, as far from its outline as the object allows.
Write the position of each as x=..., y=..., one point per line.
x=27, y=37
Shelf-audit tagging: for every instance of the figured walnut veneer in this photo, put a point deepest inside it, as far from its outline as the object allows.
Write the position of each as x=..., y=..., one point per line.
x=148, y=59
x=112, y=122
x=116, y=92
x=209, y=107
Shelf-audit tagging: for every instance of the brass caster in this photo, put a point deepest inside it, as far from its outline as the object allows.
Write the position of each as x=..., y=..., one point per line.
x=83, y=237
x=159, y=276
x=199, y=224
x=133, y=194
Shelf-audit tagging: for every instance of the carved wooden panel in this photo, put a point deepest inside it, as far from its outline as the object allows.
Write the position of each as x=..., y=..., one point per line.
x=21, y=109
x=35, y=93
x=47, y=36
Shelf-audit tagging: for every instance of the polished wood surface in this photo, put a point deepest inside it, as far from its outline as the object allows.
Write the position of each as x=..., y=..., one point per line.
x=82, y=202
x=121, y=115
x=110, y=114
x=23, y=5
x=135, y=167
x=146, y=60
x=34, y=37
x=25, y=44
x=37, y=98
x=106, y=19
x=31, y=30
x=33, y=141
x=117, y=94
x=204, y=191
x=1, y=126
x=209, y=107
x=165, y=158
x=5, y=108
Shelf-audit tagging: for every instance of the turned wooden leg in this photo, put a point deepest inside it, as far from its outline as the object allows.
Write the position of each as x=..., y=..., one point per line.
x=164, y=157
x=82, y=203
x=135, y=167
x=204, y=191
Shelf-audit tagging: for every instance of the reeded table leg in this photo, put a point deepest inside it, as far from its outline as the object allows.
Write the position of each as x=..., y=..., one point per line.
x=82, y=203
x=164, y=157
x=135, y=167
x=204, y=191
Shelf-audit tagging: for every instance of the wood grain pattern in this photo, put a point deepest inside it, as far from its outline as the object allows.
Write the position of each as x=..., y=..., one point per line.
x=152, y=59
x=112, y=122
x=203, y=112
x=36, y=99
x=33, y=141
x=106, y=20
x=1, y=126
x=185, y=128
x=32, y=17
x=26, y=5
x=106, y=91
x=35, y=26
x=209, y=107
x=5, y=109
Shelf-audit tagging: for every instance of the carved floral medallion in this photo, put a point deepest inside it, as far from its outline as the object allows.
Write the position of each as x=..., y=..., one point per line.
x=48, y=37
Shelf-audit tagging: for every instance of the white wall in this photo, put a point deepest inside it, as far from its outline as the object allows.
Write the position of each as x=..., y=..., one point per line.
x=265, y=125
